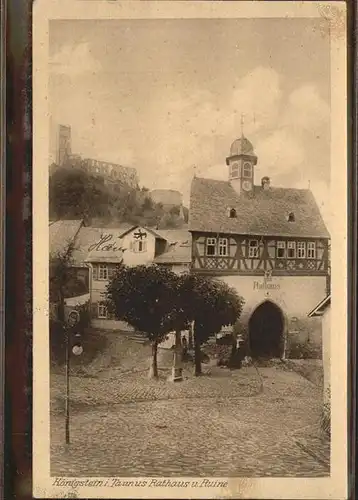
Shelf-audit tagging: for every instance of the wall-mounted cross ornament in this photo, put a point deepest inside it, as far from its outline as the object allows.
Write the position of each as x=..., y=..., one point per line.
x=139, y=235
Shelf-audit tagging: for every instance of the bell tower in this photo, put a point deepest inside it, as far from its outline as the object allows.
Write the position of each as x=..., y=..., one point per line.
x=241, y=163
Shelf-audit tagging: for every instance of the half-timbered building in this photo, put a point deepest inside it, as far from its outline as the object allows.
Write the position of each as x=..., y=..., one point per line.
x=270, y=243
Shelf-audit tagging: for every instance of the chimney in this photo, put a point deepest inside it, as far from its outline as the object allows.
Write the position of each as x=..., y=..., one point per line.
x=265, y=182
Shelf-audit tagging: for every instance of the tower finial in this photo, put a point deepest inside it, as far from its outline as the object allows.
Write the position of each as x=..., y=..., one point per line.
x=242, y=124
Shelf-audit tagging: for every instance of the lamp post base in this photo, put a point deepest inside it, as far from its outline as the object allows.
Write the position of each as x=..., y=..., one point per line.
x=176, y=375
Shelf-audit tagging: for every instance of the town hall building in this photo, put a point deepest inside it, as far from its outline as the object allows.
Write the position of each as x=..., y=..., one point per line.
x=270, y=244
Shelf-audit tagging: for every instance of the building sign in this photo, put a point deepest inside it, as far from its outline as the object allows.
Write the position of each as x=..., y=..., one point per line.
x=266, y=284
x=106, y=243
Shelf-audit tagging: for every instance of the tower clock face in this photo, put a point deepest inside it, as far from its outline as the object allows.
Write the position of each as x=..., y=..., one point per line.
x=246, y=185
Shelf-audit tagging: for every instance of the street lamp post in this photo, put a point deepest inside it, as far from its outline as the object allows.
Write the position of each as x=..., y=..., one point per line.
x=67, y=398
x=72, y=320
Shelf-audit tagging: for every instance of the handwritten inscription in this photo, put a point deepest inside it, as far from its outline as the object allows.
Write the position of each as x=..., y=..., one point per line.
x=147, y=482
x=106, y=243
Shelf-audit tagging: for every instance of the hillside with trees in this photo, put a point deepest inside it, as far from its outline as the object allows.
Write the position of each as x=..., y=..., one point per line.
x=75, y=193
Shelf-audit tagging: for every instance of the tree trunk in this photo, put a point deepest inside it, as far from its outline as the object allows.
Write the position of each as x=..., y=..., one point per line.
x=233, y=350
x=61, y=319
x=177, y=370
x=190, y=342
x=197, y=353
x=61, y=307
x=153, y=370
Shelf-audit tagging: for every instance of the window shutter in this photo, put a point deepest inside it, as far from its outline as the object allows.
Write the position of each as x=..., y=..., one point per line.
x=95, y=272
x=94, y=310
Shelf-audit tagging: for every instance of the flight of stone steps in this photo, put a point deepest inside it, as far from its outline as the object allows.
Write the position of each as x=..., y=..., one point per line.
x=137, y=337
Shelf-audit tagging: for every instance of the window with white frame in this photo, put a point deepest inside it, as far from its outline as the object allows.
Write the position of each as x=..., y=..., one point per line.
x=301, y=249
x=247, y=170
x=311, y=249
x=102, y=272
x=253, y=248
x=281, y=249
x=139, y=246
x=211, y=246
x=223, y=247
x=291, y=249
x=102, y=311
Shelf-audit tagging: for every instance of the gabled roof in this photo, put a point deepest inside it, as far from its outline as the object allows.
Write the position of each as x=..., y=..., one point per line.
x=61, y=234
x=321, y=307
x=179, y=249
x=260, y=212
x=85, y=246
x=174, y=235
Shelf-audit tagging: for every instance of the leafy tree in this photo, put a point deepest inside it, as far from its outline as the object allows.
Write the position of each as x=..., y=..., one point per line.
x=210, y=304
x=61, y=274
x=75, y=192
x=146, y=297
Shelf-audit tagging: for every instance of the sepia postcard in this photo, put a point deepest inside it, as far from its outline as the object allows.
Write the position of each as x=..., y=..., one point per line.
x=190, y=249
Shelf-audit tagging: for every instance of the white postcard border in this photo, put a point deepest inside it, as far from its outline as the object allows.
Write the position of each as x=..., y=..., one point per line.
x=43, y=485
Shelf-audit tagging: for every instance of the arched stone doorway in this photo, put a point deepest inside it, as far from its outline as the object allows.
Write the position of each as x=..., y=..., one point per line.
x=266, y=331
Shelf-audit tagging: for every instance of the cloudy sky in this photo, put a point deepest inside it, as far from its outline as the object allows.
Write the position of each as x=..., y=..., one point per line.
x=166, y=96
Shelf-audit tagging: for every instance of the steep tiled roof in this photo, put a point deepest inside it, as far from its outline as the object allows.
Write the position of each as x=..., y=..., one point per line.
x=61, y=234
x=174, y=235
x=86, y=239
x=179, y=249
x=261, y=212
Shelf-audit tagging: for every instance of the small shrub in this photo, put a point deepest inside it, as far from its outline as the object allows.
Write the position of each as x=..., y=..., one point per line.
x=304, y=350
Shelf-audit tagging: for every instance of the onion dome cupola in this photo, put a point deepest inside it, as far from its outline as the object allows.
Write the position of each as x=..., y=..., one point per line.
x=241, y=164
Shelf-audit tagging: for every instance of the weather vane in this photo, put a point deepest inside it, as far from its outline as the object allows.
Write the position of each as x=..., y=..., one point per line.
x=242, y=124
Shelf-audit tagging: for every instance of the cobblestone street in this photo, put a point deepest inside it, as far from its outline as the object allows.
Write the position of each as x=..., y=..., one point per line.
x=222, y=424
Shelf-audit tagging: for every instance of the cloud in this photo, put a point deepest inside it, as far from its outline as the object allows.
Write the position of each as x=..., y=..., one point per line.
x=74, y=61
x=280, y=152
x=257, y=97
x=305, y=108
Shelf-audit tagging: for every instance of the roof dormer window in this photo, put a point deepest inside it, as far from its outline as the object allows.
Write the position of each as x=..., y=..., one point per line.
x=291, y=217
x=232, y=213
